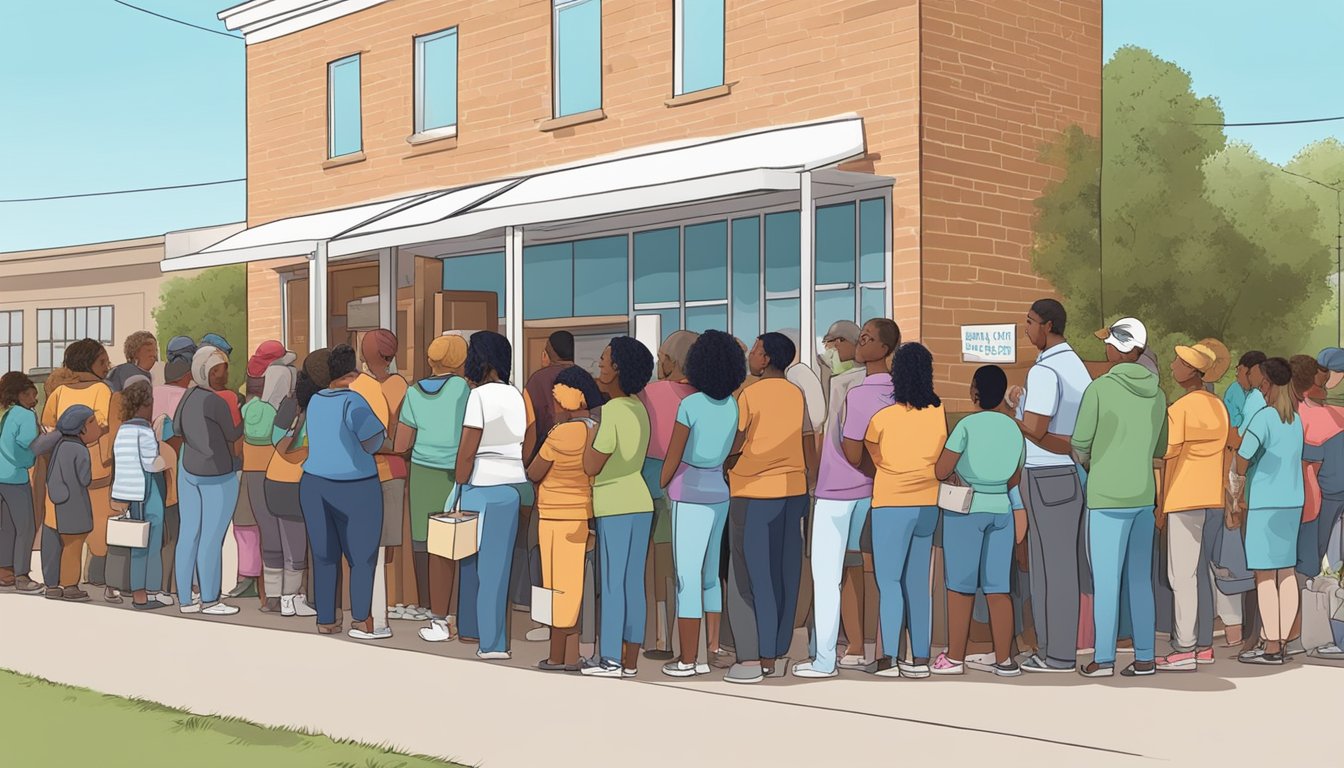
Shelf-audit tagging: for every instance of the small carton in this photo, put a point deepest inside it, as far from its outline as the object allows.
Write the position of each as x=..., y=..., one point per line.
x=453, y=535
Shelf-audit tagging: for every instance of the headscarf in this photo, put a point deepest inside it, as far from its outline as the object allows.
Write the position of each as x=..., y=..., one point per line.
x=71, y=422
x=317, y=368
x=448, y=351
x=378, y=345
x=268, y=353
x=279, y=385
x=218, y=342
x=181, y=348
x=204, y=361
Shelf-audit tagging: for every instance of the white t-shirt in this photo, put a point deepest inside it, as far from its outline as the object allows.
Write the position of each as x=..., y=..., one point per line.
x=497, y=410
x=1055, y=386
x=814, y=398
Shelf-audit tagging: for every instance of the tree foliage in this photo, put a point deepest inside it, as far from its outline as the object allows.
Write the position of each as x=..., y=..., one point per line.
x=1163, y=220
x=214, y=301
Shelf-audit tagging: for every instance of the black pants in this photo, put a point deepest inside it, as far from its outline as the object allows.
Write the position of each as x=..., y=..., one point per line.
x=766, y=541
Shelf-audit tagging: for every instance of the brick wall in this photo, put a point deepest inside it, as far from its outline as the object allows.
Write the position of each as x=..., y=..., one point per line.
x=1000, y=79
x=789, y=61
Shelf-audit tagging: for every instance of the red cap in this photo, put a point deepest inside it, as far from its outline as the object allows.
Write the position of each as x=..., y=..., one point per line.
x=268, y=352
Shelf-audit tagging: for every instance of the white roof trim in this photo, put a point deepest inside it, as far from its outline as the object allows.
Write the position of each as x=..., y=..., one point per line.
x=262, y=20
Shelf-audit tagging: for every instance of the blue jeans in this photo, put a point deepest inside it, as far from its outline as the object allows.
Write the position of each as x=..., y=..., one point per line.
x=205, y=506
x=623, y=548
x=766, y=539
x=1120, y=546
x=978, y=552
x=833, y=526
x=342, y=517
x=697, y=533
x=902, y=552
x=483, y=578
x=146, y=563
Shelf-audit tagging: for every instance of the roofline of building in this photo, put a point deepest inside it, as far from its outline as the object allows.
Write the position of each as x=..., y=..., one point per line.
x=262, y=20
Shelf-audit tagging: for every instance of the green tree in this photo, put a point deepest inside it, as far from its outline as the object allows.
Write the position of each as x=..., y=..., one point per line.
x=214, y=301
x=1163, y=221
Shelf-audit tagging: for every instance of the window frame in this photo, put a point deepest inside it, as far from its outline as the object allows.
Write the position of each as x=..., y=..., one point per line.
x=68, y=330
x=12, y=346
x=418, y=83
x=331, y=104
x=556, y=7
x=679, y=51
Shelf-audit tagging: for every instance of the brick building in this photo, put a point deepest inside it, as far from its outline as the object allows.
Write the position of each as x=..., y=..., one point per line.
x=597, y=164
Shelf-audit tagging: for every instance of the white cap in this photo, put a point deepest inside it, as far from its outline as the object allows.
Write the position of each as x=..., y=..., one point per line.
x=1125, y=334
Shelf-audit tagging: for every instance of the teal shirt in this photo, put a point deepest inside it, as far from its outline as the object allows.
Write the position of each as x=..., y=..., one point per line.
x=1274, y=450
x=16, y=433
x=992, y=449
x=1254, y=403
x=713, y=425
x=1235, y=400
x=434, y=408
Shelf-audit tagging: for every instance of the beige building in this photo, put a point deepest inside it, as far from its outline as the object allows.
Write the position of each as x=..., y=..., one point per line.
x=106, y=291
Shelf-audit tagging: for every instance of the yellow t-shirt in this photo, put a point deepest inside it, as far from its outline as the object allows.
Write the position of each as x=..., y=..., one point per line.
x=256, y=457
x=566, y=493
x=773, y=417
x=96, y=396
x=372, y=391
x=909, y=442
x=1197, y=429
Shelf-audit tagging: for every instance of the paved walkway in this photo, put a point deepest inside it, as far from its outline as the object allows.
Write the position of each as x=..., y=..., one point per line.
x=435, y=700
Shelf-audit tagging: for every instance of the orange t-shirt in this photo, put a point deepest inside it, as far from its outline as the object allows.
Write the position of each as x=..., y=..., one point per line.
x=371, y=390
x=566, y=493
x=773, y=417
x=909, y=442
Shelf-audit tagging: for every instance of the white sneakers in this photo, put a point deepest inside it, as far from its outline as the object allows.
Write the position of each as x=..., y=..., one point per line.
x=220, y=609
x=295, y=605
x=679, y=669
x=192, y=607
x=438, y=631
x=806, y=670
x=164, y=597
x=378, y=633
x=852, y=662
x=494, y=655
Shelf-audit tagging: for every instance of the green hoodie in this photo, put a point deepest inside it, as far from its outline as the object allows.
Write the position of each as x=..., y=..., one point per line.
x=1122, y=425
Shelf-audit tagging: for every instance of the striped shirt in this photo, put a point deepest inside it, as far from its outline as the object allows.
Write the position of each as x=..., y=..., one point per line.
x=133, y=452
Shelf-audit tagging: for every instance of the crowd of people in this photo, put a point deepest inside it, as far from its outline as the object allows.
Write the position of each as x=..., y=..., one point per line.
x=631, y=509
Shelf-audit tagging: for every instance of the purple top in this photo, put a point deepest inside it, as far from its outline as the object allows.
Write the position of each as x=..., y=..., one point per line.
x=836, y=479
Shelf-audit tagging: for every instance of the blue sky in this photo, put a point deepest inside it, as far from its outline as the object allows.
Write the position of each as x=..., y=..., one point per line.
x=1264, y=60
x=127, y=100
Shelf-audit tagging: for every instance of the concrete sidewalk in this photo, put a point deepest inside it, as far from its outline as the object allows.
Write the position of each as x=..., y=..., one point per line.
x=434, y=700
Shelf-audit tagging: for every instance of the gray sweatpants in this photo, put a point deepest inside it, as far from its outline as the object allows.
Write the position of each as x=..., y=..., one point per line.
x=18, y=528
x=1054, y=500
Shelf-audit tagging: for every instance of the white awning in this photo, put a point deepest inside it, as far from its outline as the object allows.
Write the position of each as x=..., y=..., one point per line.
x=764, y=160
x=681, y=172
x=285, y=238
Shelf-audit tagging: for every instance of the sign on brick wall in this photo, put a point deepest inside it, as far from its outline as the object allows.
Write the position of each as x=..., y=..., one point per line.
x=989, y=343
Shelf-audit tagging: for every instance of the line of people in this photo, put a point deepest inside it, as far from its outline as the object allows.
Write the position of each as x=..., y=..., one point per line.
x=632, y=511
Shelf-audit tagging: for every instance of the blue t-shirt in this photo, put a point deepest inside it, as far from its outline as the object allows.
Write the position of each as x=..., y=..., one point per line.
x=1274, y=450
x=713, y=425
x=16, y=433
x=339, y=423
x=1235, y=401
x=1253, y=404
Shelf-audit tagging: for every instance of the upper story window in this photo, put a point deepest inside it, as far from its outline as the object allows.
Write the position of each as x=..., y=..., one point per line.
x=345, y=135
x=577, y=61
x=436, y=82
x=697, y=45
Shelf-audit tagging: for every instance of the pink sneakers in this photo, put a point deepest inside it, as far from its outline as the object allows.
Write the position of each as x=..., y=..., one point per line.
x=1184, y=661
x=945, y=666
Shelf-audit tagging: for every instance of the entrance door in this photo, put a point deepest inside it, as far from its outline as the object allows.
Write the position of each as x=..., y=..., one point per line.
x=465, y=311
x=296, y=322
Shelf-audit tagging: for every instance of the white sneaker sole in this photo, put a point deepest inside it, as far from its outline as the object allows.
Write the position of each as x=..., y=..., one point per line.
x=359, y=634
x=1180, y=666
x=193, y=608
x=952, y=672
x=494, y=656
x=227, y=611
x=744, y=680
x=813, y=675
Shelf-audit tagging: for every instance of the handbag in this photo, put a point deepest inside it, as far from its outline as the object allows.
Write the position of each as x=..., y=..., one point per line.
x=453, y=534
x=955, y=496
x=126, y=531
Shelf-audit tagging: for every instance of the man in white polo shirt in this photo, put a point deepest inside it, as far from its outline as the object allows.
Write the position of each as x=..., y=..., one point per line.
x=1051, y=488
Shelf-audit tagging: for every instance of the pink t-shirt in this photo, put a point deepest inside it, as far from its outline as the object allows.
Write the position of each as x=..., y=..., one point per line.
x=661, y=399
x=166, y=399
x=1319, y=423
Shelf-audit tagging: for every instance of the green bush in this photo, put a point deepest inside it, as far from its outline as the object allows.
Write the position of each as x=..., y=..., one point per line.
x=214, y=301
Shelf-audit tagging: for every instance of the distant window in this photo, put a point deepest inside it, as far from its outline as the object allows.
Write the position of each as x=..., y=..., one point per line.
x=577, y=56
x=697, y=45
x=59, y=328
x=11, y=341
x=436, y=81
x=344, y=132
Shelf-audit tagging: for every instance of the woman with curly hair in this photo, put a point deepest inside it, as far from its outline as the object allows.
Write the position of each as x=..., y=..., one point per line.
x=18, y=429
x=622, y=505
x=904, y=441
x=82, y=382
x=1267, y=486
x=702, y=436
x=490, y=476
x=564, y=509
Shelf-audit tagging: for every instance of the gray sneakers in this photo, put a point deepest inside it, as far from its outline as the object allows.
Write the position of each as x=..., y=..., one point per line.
x=744, y=674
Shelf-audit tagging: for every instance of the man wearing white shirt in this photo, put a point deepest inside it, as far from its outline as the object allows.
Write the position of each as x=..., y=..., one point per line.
x=1051, y=488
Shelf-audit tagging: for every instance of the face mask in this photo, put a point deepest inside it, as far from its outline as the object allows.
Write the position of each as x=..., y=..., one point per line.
x=838, y=366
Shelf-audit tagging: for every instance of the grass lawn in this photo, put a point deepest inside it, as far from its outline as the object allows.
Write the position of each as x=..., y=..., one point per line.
x=48, y=724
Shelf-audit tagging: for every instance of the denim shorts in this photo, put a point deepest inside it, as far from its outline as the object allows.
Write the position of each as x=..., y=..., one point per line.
x=978, y=552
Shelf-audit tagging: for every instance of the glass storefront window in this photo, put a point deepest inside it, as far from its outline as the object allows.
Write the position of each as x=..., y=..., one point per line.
x=548, y=281
x=477, y=272
x=658, y=266
x=601, y=276
x=707, y=261
x=746, y=278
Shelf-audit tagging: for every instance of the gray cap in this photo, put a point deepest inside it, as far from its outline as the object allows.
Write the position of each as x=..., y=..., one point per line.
x=1331, y=359
x=843, y=330
x=176, y=368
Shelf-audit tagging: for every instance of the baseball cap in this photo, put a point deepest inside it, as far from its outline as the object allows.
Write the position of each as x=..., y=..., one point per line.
x=268, y=353
x=181, y=347
x=842, y=330
x=1125, y=334
x=218, y=342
